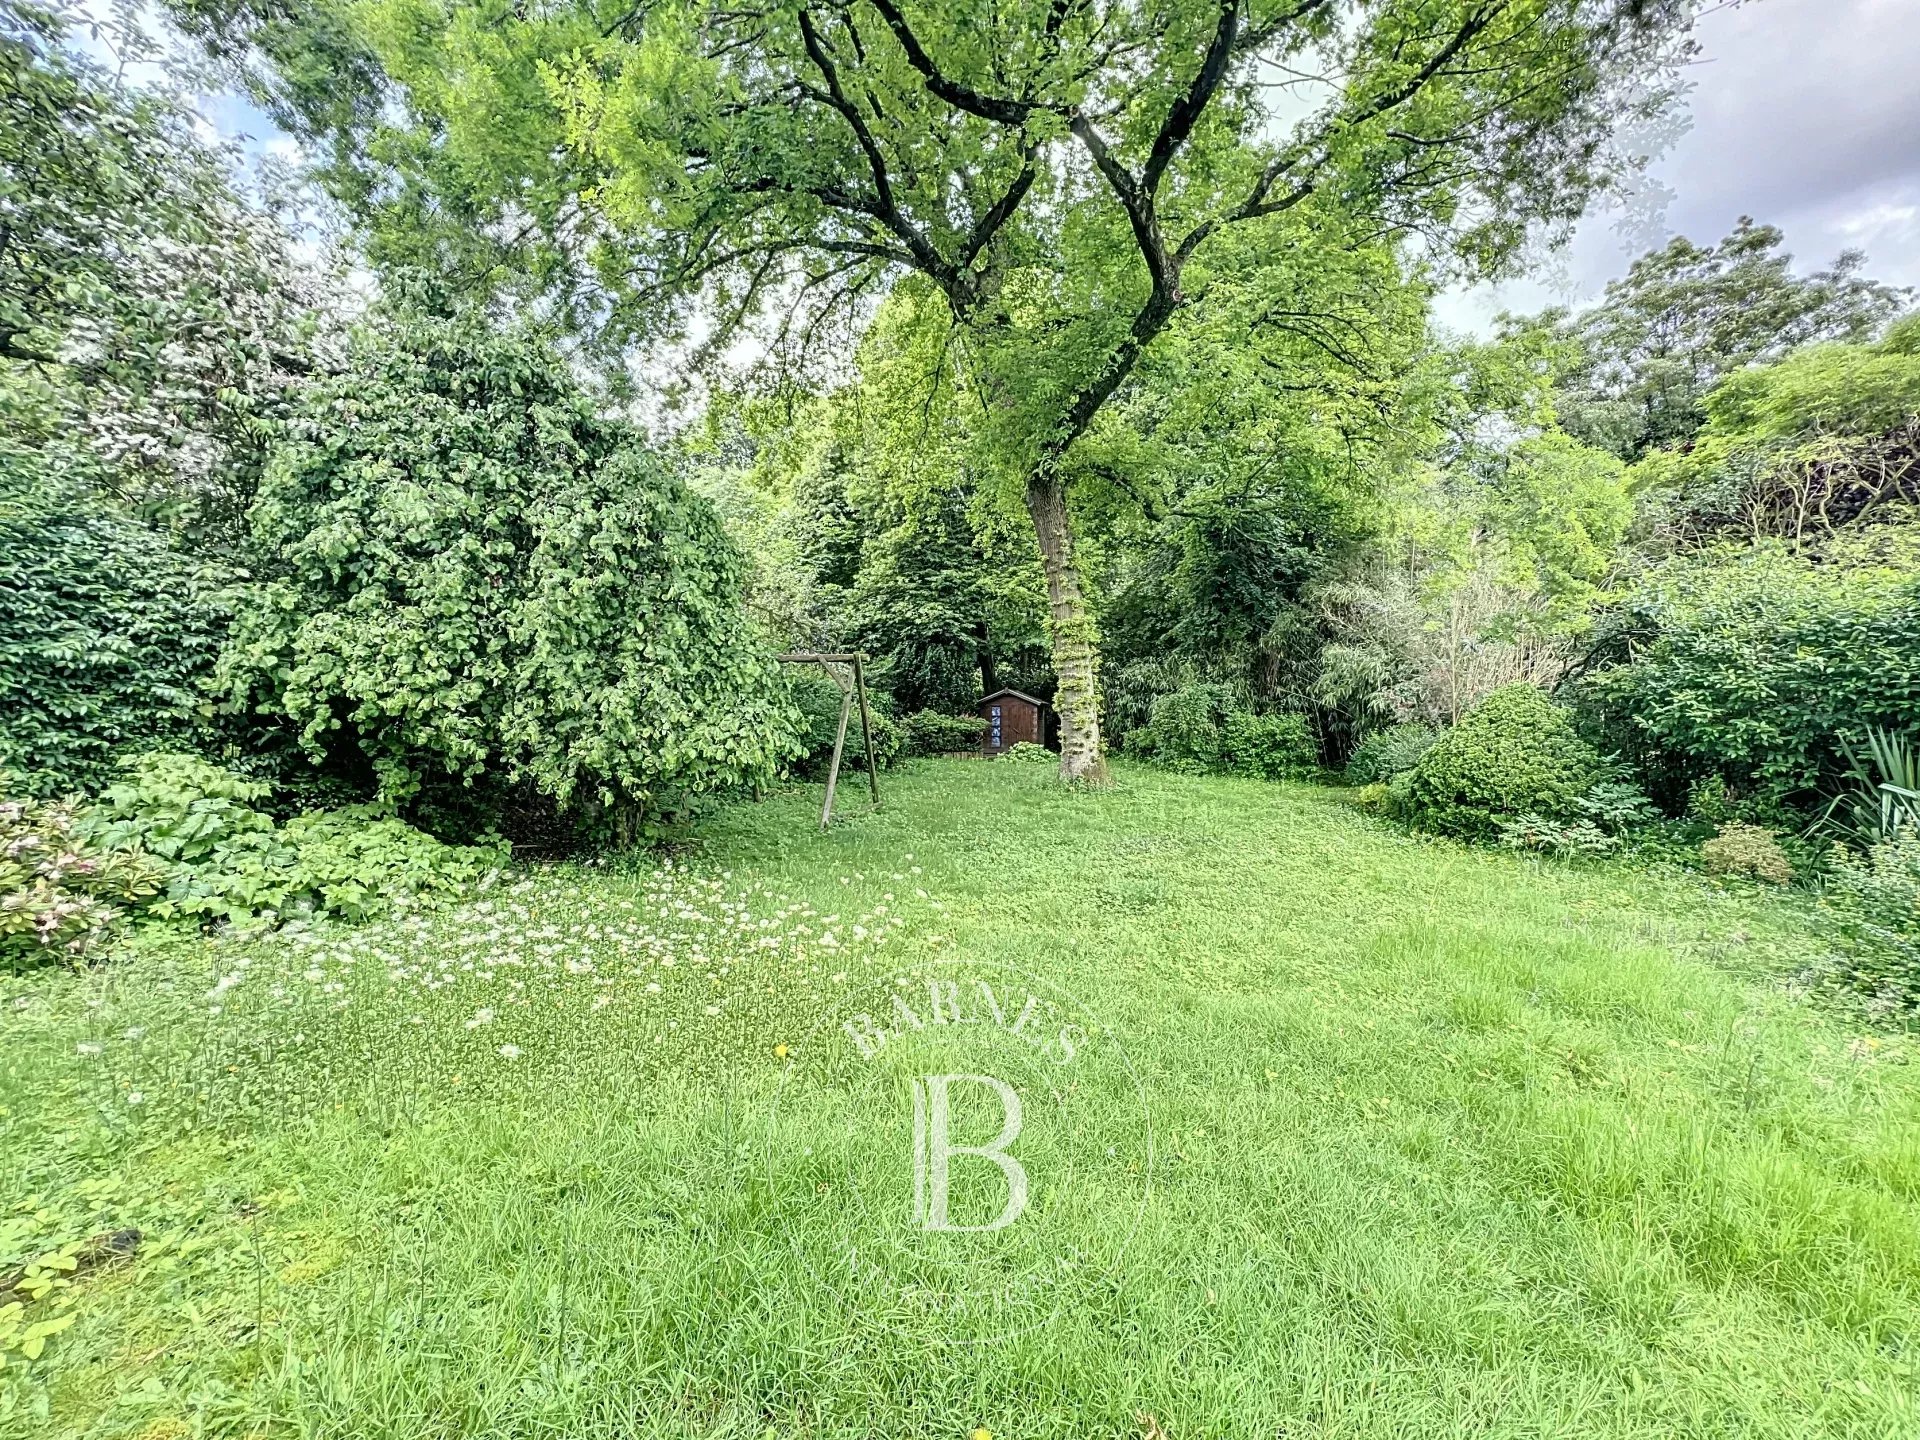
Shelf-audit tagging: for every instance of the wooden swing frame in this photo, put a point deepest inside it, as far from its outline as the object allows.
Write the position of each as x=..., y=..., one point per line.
x=849, y=691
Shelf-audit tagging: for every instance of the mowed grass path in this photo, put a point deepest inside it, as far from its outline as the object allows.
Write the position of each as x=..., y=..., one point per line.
x=1447, y=1143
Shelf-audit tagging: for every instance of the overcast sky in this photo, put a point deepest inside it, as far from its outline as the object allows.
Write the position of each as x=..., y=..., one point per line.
x=1805, y=115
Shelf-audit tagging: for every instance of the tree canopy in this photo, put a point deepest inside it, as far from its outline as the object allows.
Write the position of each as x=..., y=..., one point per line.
x=1066, y=176
x=151, y=312
x=1642, y=361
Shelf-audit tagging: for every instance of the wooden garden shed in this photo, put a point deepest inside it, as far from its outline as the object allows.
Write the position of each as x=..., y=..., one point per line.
x=1013, y=717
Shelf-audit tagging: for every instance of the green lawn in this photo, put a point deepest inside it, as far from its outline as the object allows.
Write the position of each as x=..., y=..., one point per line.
x=1440, y=1143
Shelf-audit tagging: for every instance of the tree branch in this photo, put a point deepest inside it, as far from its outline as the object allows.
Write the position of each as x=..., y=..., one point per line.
x=886, y=209
x=962, y=97
x=1179, y=123
x=1257, y=202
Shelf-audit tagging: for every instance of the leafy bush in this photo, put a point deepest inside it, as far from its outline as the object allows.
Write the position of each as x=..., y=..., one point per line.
x=179, y=808
x=1188, y=728
x=816, y=699
x=1751, y=666
x=1617, y=807
x=469, y=574
x=225, y=860
x=61, y=891
x=1205, y=727
x=104, y=635
x=1128, y=689
x=1710, y=800
x=1561, y=838
x=351, y=864
x=1376, y=798
x=1515, y=754
x=1749, y=851
x=1025, y=752
x=1270, y=747
x=1873, y=910
x=930, y=733
x=1386, y=753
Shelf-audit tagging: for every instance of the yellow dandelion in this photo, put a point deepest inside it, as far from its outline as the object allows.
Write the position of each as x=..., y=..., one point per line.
x=980, y=1432
x=780, y=1051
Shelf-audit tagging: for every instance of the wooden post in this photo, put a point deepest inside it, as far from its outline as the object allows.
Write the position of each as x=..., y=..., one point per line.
x=833, y=770
x=857, y=664
x=866, y=727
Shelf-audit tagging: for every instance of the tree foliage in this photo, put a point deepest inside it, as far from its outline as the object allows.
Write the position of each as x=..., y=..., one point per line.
x=150, y=315
x=1826, y=440
x=873, y=525
x=468, y=574
x=1685, y=317
x=1062, y=175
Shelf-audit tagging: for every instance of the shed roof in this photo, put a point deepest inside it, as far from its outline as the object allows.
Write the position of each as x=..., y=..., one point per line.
x=1016, y=694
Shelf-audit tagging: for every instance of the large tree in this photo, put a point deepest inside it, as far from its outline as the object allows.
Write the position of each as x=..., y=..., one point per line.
x=1061, y=171
x=1639, y=365
x=151, y=312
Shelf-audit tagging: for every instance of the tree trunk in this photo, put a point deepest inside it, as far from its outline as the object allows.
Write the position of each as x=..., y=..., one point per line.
x=1075, y=658
x=983, y=655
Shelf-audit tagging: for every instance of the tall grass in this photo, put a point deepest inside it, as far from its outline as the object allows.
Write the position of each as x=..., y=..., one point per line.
x=1443, y=1142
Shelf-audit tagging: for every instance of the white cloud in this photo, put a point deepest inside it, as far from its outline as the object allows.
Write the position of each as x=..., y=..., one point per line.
x=1805, y=116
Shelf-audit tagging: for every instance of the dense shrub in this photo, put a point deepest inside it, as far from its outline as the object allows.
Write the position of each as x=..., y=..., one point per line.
x=816, y=699
x=1752, y=668
x=104, y=635
x=1376, y=798
x=1201, y=728
x=61, y=890
x=1386, y=753
x=1187, y=728
x=1617, y=807
x=1269, y=747
x=1515, y=754
x=178, y=808
x=350, y=864
x=1749, y=851
x=222, y=859
x=1563, y=839
x=930, y=733
x=1025, y=752
x=470, y=575
x=1873, y=908
x=1128, y=690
